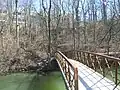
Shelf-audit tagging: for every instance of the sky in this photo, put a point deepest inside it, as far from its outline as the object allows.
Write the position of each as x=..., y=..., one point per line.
x=21, y=3
x=36, y=4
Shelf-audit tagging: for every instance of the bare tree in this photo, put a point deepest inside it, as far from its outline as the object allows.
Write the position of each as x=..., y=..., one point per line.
x=49, y=20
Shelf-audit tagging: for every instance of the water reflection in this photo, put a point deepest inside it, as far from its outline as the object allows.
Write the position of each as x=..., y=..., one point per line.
x=21, y=81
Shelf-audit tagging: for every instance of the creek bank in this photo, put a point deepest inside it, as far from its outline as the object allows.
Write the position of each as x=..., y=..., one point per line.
x=28, y=61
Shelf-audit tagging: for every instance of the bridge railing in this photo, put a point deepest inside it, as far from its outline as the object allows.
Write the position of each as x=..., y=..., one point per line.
x=70, y=71
x=106, y=65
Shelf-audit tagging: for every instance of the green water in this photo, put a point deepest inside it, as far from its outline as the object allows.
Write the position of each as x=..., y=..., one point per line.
x=25, y=81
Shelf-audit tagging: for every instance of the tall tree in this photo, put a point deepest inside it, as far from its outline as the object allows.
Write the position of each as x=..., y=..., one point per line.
x=49, y=20
x=104, y=3
x=119, y=7
x=77, y=20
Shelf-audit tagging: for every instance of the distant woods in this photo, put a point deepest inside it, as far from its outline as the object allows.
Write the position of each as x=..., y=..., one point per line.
x=45, y=26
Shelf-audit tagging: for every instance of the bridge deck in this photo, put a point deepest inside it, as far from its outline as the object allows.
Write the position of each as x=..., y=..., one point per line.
x=91, y=80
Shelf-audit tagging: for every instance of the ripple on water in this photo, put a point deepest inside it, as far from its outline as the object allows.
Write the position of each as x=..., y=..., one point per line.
x=25, y=81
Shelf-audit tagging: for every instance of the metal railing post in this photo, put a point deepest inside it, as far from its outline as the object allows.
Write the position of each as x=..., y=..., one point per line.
x=72, y=79
x=97, y=61
x=103, y=66
x=116, y=72
x=76, y=78
x=69, y=74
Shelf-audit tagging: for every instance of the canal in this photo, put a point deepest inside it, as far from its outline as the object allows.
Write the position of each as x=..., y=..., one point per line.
x=27, y=81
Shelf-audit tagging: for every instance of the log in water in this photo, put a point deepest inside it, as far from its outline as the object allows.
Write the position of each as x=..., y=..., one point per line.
x=26, y=81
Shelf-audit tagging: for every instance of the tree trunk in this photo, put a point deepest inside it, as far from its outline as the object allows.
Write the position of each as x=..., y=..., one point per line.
x=49, y=20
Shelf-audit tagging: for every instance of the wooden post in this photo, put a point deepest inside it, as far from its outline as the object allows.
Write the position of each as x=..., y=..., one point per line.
x=76, y=78
x=116, y=72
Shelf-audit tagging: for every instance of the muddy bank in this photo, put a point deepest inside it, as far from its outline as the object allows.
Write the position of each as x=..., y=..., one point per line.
x=28, y=61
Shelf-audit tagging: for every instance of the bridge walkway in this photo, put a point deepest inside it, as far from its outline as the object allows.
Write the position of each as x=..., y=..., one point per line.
x=87, y=78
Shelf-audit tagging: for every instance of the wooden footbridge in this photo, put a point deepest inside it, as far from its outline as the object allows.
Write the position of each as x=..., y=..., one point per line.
x=89, y=71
